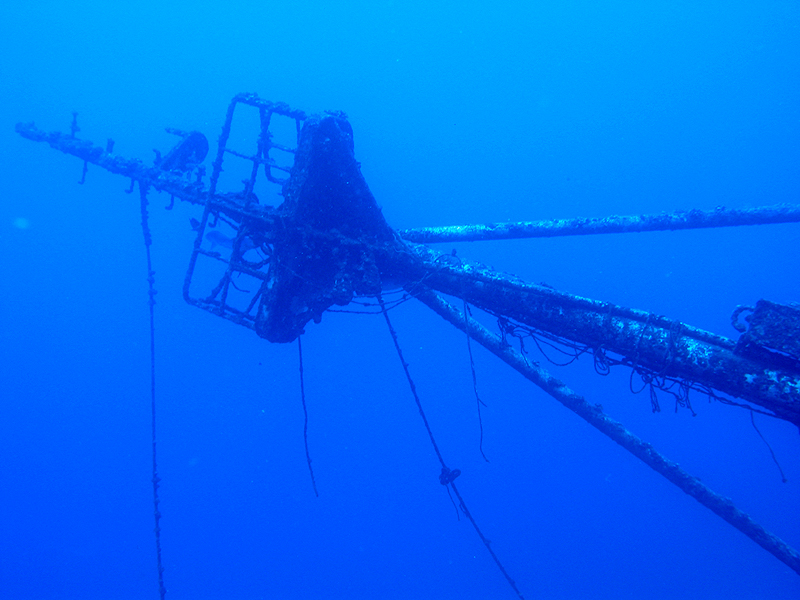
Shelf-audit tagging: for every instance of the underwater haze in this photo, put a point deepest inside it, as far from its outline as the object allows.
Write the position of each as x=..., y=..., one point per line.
x=462, y=112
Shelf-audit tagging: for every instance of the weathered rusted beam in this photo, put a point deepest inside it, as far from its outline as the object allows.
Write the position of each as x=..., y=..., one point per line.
x=158, y=179
x=665, y=346
x=690, y=219
x=194, y=192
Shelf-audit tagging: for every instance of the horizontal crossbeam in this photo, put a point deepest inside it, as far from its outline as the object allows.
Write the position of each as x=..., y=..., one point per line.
x=690, y=219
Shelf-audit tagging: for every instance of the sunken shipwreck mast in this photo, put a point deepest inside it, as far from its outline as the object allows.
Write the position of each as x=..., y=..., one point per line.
x=328, y=244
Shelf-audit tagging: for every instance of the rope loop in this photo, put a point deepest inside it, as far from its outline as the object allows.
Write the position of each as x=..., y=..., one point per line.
x=740, y=327
x=601, y=364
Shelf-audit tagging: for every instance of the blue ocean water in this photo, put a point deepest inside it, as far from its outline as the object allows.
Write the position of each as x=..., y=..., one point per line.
x=463, y=112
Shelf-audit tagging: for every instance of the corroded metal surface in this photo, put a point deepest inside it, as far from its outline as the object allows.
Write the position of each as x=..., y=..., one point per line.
x=663, y=345
x=775, y=328
x=341, y=244
x=690, y=219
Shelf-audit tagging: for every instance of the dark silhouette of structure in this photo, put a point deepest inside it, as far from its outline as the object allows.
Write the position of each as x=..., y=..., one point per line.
x=327, y=243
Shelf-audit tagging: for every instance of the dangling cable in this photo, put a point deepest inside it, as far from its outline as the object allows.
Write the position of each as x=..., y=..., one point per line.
x=447, y=476
x=474, y=379
x=305, y=417
x=411, y=383
x=151, y=291
x=763, y=439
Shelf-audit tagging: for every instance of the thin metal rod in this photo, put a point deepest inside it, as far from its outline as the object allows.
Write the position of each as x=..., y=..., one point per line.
x=691, y=219
x=721, y=506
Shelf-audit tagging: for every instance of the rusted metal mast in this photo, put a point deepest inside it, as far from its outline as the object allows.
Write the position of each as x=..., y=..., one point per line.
x=664, y=346
x=328, y=243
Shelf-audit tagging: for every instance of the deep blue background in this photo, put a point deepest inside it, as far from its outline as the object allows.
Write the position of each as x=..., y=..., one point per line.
x=466, y=112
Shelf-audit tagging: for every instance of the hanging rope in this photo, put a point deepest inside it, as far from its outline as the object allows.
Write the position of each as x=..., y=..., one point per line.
x=653, y=381
x=772, y=453
x=447, y=476
x=478, y=400
x=305, y=417
x=151, y=291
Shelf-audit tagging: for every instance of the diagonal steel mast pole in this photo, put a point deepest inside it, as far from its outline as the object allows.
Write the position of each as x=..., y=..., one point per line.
x=719, y=505
x=655, y=342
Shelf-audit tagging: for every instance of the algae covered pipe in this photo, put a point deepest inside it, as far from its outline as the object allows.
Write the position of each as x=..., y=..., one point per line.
x=690, y=219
